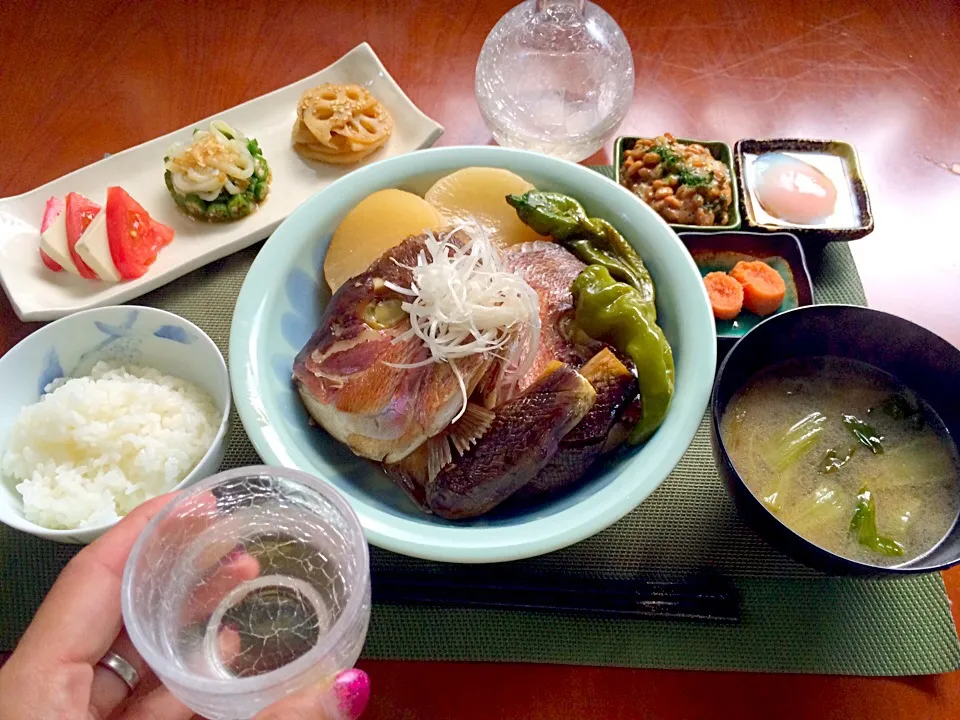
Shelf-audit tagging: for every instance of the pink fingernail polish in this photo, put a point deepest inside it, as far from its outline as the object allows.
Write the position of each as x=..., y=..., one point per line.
x=352, y=688
x=238, y=552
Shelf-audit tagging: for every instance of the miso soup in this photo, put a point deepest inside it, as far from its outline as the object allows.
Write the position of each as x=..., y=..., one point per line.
x=847, y=457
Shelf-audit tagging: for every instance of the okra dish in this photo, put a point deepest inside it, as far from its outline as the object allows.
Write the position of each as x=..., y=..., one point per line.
x=220, y=175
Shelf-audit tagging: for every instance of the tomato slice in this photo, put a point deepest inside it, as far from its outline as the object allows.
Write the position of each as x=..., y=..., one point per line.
x=80, y=213
x=135, y=237
x=50, y=262
x=50, y=212
x=54, y=207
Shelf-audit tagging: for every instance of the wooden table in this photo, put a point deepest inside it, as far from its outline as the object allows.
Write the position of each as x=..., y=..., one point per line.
x=79, y=80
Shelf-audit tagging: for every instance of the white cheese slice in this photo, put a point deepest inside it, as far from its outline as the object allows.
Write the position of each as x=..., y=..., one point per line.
x=94, y=249
x=54, y=243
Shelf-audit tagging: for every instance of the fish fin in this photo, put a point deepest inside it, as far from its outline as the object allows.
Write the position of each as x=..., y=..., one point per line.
x=438, y=455
x=472, y=426
x=461, y=435
x=409, y=480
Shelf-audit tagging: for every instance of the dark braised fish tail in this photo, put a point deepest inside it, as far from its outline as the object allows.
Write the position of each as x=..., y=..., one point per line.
x=521, y=440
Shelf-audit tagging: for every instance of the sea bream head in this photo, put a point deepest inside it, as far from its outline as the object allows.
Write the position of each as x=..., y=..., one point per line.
x=366, y=379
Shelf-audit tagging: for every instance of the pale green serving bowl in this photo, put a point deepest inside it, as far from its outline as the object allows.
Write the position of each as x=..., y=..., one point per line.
x=283, y=298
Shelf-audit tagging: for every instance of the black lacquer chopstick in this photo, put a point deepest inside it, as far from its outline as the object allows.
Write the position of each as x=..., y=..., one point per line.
x=710, y=599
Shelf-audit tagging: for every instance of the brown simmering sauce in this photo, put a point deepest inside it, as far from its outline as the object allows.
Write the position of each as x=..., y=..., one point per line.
x=685, y=184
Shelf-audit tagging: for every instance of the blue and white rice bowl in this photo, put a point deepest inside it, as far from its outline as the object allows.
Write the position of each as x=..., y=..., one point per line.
x=120, y=335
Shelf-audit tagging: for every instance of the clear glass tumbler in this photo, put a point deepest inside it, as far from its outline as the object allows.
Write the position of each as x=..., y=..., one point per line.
x=247, y=587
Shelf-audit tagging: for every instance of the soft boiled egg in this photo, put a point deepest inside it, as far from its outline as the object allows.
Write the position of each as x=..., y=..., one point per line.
x=793, y=190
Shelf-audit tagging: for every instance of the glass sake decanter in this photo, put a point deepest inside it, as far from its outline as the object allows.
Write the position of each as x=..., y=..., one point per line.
x=555, y=76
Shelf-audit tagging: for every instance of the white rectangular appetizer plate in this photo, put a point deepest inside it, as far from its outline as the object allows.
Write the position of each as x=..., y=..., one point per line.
x=37, y=293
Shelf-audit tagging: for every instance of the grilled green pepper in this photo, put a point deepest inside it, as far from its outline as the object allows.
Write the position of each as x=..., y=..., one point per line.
x=615, y=312
x=554, y=214
x=593, y=240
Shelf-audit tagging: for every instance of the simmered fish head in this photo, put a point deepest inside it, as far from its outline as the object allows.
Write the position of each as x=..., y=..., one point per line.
x=348, y=376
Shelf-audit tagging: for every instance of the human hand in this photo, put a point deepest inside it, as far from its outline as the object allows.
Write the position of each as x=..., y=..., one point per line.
x=55, y=671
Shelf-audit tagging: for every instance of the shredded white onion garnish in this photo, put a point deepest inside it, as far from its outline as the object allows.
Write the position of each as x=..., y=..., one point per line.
x=462, y=303
x=214, y=160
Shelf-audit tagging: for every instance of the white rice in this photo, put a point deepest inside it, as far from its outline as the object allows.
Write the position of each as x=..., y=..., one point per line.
x=95, y=447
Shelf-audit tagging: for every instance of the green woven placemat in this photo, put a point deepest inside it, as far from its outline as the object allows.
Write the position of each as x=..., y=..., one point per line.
x=794, y=619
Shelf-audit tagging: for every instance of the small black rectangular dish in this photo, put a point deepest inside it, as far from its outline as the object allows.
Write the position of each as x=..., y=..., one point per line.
x=851, y=216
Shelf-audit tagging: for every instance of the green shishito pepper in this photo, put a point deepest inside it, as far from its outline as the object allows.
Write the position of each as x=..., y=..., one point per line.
x=593, y=240
x=614, y=296
x=226, y=206
x=616, y=312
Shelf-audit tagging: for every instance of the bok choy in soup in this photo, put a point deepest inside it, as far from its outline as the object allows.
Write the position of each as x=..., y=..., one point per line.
x=847, y=457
